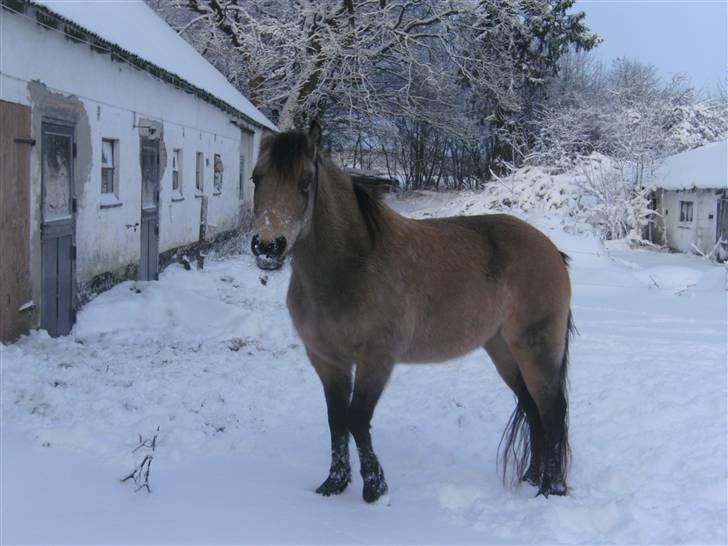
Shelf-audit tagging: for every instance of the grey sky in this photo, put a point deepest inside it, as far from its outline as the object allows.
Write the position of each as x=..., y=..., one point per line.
x=689, y=36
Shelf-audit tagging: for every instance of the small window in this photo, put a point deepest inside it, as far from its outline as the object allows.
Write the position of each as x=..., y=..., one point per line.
x=218, y=170
x=200, y=172
x=109, y=171
x=686, y=211
x=177, y=173
x=57, y=172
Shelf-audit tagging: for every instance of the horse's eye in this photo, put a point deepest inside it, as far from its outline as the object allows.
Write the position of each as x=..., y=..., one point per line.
x=305, y=184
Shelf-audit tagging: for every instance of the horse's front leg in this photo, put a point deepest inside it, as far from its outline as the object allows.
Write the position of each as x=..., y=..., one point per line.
x=371, y=377
x=336, y=380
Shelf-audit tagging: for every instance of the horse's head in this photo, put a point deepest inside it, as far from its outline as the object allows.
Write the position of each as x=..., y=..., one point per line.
x=285, y=190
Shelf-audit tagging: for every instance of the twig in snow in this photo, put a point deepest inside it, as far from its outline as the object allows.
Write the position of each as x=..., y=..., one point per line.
x=680, y=291
x=711, y=256
x=151, y=443
x=140, y=475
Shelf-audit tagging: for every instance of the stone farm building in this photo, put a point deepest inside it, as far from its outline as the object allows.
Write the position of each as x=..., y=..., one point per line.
x=691, y=201
x=120, y=146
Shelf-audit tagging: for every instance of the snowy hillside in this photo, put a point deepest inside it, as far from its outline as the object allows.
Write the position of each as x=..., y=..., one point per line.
x=212, y=360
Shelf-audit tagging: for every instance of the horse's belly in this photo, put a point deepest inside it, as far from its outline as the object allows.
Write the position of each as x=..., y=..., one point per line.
x=440, y=353
x=436, y=339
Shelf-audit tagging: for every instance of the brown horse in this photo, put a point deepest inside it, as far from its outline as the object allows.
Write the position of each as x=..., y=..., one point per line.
x=370, y=288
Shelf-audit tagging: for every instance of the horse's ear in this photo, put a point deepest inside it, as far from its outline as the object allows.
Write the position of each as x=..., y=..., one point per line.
x=266, y=136
x=314, y=137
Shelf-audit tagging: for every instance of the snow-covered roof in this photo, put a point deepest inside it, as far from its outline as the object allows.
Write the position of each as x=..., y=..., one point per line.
x=135, y=27
x=703, y=168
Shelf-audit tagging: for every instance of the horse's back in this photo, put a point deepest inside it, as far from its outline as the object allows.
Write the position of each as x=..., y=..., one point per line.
x=512, y=246
x=500, y=231
x=476, y=274
x=533, y=268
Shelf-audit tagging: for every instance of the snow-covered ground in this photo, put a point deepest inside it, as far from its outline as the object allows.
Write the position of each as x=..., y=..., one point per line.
x=212, y=360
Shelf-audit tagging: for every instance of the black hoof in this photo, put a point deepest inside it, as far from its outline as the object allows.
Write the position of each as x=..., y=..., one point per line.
x=532, y=476
x=333, y=486
x=552, y=487
x=374, y=487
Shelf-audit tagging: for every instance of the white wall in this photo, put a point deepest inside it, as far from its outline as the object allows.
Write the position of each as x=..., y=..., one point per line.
x=114, y=96
x=701, y=231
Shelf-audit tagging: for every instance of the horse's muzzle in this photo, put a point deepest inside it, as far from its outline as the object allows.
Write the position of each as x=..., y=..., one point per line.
x=268, y=254
x=268, y=264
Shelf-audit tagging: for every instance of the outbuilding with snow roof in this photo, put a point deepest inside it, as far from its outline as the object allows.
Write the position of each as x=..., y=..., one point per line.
x=121, y=150
x=691, y=201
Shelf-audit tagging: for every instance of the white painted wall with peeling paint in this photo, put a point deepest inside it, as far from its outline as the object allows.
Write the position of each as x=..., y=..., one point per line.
x=115, y=96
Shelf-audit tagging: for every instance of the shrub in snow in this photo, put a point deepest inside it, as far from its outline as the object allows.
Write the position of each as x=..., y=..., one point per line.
x=612, y=202
x=596, y=190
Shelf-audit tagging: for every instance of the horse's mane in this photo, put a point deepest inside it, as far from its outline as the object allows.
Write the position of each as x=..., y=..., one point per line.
x=288, y=150
x=370, y=206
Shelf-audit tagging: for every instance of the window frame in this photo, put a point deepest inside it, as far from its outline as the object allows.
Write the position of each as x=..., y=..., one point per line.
x=177, y=176
x=113, y=166
x=687, y=212
x=199, y=174
x=217, y=176
x=109, y=199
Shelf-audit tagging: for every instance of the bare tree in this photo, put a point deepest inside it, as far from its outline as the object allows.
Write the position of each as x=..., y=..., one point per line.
x=625, y=113
x=361, y=59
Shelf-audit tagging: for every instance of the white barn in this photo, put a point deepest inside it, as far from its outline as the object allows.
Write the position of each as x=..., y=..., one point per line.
x=691, y=200
x=120, y=148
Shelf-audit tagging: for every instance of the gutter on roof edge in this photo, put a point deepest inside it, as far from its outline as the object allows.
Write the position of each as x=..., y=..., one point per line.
x=73, y=31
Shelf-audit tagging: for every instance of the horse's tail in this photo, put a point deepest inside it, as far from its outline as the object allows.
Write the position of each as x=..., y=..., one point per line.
x=514, y=449
x=515, y=445
x=564, y=447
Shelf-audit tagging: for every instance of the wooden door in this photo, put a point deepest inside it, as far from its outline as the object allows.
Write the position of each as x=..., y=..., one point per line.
x=149, y=260
x=15, y=285
x=721, y=228
x=58, y=250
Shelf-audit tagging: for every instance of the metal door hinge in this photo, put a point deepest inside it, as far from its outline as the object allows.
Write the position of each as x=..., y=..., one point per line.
x=29, y=141
x=73, y=252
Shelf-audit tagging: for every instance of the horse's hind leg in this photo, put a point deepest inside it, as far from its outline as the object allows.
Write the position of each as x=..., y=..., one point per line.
x=556, y=449
x=507, y=368
x=371, y=377
x=337, y=383
x=540, y=351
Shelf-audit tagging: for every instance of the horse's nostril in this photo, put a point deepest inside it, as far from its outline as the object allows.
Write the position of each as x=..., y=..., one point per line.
x=272, y=249
x=279, y=246
x=256, y=246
